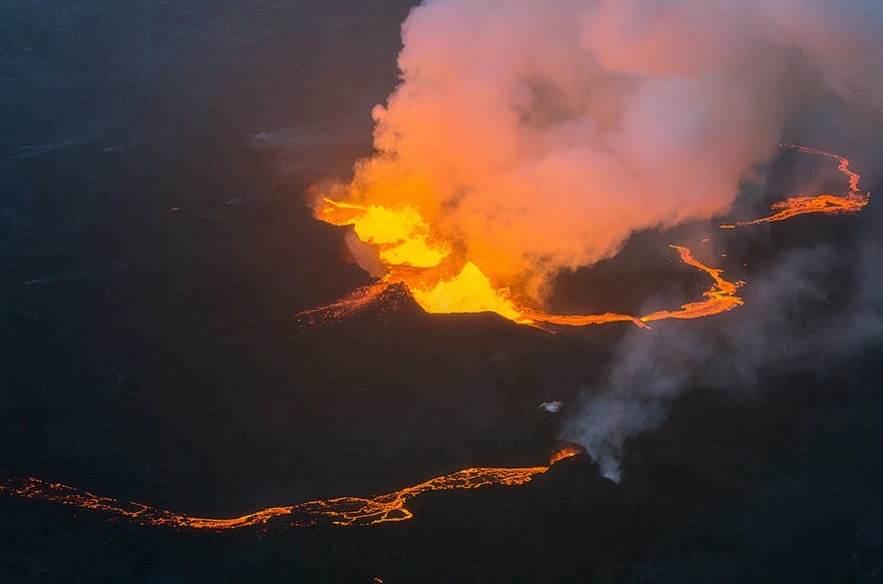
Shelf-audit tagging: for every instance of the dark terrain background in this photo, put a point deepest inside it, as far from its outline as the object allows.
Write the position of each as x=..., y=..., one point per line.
x=156, y=244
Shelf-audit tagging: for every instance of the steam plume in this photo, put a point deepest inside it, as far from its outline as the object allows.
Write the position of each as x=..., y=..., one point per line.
x=810, y=309
x=539, y=138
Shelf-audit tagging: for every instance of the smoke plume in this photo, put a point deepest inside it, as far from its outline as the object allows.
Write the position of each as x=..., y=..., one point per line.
x=537, y=138
x=809, y=310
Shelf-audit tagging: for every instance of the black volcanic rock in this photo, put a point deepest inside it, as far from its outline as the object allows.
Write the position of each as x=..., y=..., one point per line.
x=157, y=244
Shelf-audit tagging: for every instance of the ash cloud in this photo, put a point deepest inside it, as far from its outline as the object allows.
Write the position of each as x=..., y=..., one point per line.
x=538, y=138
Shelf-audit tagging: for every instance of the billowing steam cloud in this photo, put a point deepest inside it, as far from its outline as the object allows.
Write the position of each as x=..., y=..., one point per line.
x=538, y=137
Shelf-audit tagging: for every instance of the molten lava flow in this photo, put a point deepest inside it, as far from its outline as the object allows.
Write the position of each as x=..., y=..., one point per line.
x=345, y=307
x=442, y=279
x=468, y=291
x=338, y=511
x=565, y=452
x=829, y=204
x=413, y=255
x=719, y=298
x=401, y=235
x=471, y=291
x=34, y=488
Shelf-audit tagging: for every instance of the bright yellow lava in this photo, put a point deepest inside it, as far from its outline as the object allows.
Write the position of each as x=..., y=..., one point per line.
x=401, y=235
x=469, y=291
x=443, y=280
x=404, y=240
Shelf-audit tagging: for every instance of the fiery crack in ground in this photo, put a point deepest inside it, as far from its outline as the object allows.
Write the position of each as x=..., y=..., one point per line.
x=346, y=511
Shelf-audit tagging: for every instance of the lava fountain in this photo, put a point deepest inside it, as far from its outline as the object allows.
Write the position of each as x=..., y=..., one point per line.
x=399, y=246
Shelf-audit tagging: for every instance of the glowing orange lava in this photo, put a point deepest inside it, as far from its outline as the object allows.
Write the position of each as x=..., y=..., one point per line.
x=438, y=279
x=565, y=452
x=338, y=511
x=719, y=298
x=829, y=204
x=441, y=280
x=345, y=307
x=472, y=289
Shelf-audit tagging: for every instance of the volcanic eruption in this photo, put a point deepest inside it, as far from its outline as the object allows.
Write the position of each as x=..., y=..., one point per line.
x=343, y=511
x=533, y=142
x=524, y=142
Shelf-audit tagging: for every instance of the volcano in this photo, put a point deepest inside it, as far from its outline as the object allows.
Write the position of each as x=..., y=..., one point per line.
x=202, y=382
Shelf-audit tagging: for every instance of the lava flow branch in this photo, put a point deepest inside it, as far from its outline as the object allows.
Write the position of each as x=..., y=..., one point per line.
x=852, y=202
x=337, y=511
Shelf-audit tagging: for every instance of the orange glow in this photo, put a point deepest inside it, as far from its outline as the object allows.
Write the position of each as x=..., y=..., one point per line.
x=719, y=298
x=539, y=316
x=468, y=291
x=417, y=258
x=338, y=511
x=829, y=204
x=345, y=307
x=408, y=248
x=565, y=452
x=471, y=291
x=401, y=235
x=442, y=280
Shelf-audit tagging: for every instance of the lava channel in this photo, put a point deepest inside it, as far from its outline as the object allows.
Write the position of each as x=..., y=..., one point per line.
x=346, y=511
x=852, y=202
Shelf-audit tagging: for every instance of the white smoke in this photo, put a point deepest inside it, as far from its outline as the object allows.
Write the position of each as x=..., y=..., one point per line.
x=807, y=311
x=537, y=137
